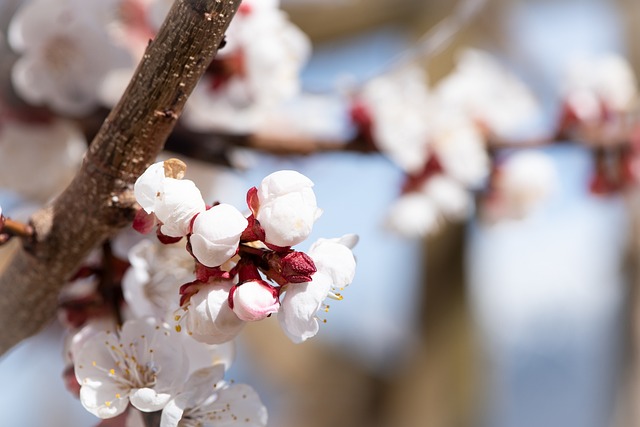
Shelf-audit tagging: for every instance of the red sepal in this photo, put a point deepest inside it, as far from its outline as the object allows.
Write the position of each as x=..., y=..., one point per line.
x=297, y=267
x=167, y=240
x=361, y=118
x=252, y=200
x=188, y=290
x=431, y=168
x=204, y=273
x=70, y=381
x=253, y=232
x=144, y=222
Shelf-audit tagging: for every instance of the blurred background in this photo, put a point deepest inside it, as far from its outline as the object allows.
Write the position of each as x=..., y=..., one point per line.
x=525, y=323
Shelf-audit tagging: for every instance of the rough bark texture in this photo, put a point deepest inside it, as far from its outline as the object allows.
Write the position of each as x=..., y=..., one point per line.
x=100, y=201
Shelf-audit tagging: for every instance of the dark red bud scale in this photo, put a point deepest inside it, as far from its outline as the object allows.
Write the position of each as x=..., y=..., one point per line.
x=297, y=267
x=144, y=222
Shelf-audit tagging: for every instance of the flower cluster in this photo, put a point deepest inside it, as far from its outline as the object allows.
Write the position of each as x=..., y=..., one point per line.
x=155, y=369
x=76, y=55
x=439, y=148
x=440, y=137
x=245, y=267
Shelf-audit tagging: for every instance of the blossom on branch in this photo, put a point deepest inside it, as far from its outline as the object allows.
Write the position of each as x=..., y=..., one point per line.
x=598, y=88
x=172, y=200
x=336, y=268
x=216, y=234
x=142, y=363
x=207, y=400
x=151, y=285
x=286, y=208
x=245, y=268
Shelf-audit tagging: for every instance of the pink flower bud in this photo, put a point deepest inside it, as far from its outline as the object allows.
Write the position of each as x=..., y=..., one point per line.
x=254, y=300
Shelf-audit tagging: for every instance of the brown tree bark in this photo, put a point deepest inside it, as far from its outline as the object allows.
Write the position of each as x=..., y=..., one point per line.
x=100, y=199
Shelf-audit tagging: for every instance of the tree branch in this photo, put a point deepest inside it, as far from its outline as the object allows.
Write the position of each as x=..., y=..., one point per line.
x=100, y=199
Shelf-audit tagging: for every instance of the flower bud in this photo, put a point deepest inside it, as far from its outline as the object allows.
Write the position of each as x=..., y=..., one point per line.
x=209, y=318
x=297, y=267
x=216, y=234
x=254, y=300
x=287, y=208
x=173, y=201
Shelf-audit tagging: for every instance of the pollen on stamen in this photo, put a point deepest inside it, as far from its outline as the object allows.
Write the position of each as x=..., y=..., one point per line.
x=118, y=396
x=178, y=328
x=336, y=296
x=108, y=403
x=93, y=363
x=112, y=371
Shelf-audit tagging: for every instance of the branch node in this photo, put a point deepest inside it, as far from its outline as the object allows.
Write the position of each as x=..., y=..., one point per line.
x=166, y=113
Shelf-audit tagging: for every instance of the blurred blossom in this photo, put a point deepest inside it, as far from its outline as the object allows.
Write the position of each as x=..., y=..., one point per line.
x=398, y=104
x=151, y=285
x=520, y=183
x=257, y=69
x=65, y=53
x=450, y=197
x=599, y=85
x=413, y=215
x=488, y=93
x=460, y=149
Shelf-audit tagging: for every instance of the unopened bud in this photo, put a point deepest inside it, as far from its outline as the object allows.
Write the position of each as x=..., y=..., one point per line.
x=298, y=267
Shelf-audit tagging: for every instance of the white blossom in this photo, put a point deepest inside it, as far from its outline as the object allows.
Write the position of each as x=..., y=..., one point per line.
x=599, y=81
x=400, y=106
x=268, y=53
x=65, y=53
x=207, y=401
x=174, y=201
x=143, y=363
x=75, y=340
x=414, y=215
x=522, y=182
x=216, y=234
x=287, y=207
x=460, y=149
x=336, y=268
x=488, y=94
x=255, y=300
x=449, y=196
x=208, y=317
x=151, y=285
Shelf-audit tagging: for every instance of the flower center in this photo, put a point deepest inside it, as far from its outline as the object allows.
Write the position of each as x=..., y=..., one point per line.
x=59, y=52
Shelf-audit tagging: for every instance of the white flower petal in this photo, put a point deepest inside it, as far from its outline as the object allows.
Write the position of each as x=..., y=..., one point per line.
x=149, y=186
x=180, y=203
x=413, y=215
x=216, y=234
x=242, y=404
x=297, y=315
x=209, y=317
x=171, y=414
x=335, y=260
x=105, y=400
x=149, y=400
